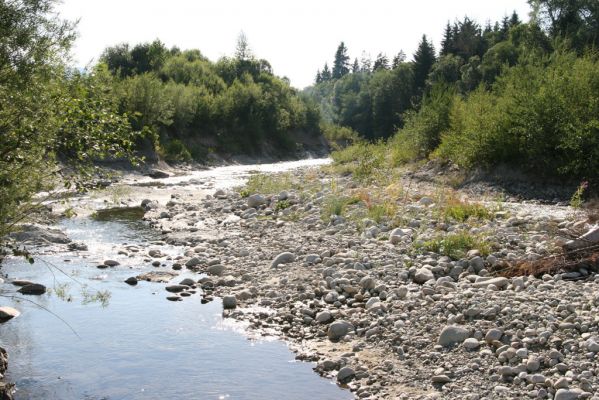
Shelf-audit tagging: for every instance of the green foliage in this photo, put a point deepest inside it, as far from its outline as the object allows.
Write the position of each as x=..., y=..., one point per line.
x=578, y=197
x=339, y=136
x=462, y=211
x=424, y=58
x=236, y=105
x=456, y=245
x=268, y=184
x=422, y=131
x=381, y=212
x=175, y=151
x=542, y=115
x=282, y=205
x=364, y=160
x=335, y=205
x=48, y=112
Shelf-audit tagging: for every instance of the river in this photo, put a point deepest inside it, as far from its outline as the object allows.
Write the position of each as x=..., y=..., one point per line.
x=139, y=345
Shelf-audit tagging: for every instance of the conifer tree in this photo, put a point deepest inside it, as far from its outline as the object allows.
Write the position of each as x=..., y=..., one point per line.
x=424, y=58
x=325, y=75
x=341, y=63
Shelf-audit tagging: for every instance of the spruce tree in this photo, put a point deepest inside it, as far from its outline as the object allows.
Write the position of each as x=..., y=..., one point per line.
x=447, y=41
x=424, y=58
x=341, y=63
x=325, y=75
x=318, y=77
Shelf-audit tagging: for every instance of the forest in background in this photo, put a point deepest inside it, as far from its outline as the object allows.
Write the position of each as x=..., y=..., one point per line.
x=523, y=94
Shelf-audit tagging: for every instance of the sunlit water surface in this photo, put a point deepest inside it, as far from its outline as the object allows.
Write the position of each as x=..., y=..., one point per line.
x=139, y=346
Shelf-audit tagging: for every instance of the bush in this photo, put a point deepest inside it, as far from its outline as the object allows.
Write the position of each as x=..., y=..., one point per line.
x=422, y=131
x=542, y=116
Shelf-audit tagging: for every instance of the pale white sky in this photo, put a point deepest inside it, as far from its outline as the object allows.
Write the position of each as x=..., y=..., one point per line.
x=297, y=37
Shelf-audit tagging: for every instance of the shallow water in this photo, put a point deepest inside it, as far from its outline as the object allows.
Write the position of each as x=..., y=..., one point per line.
x=140, y=346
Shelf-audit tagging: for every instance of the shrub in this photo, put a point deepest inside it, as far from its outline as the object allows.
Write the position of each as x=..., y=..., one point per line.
x=542, y=116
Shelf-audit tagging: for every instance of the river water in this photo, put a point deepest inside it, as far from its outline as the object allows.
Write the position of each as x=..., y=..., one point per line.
x=139, y=345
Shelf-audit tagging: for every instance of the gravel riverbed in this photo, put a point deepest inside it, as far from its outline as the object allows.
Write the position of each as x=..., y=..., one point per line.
x=381, y=302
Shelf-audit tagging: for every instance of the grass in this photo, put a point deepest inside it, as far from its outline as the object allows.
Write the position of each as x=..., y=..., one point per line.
x=336, y=205
x=282, y=204
x=268, y=184
x=456, y=245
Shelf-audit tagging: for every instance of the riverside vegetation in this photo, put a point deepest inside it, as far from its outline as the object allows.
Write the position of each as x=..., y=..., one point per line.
x=399, y=277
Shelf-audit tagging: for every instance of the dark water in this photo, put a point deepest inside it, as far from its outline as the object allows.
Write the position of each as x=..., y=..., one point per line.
x=140, y=346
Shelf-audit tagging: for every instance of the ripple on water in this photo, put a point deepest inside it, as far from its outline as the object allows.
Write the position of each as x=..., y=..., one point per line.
x=140, y=346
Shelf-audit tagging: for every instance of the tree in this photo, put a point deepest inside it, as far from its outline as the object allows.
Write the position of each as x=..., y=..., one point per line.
x=325, y=75
x=341, y=62
x=355, y=67
x=398, y=59
x=575, y=20
x=447, y=41
x=242, y=49
x=46, y=110
x=424, y=58
x=318, y=78
x=381, y=62
x=365, y=62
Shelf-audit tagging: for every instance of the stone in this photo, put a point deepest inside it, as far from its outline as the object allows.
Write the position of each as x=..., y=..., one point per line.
x=345, y=374
x=451, y=335
x=471, y=344
x=567, y=394
x=367, y=283
x=397, y=235
x=187, y=282
x=339, y=329
x=39, y=234
x=131, y=281
x=111, y=263
x=8, y=313
x=499, y=282
x=229, y=302
x=255, y=201
x=158, y=174
x=216, y=269
x=561, y=383
x=441, y=379
x=423, y=275
x=175, y=288
x=34, y=289
x=323, y=317
x=493, y=335
x=283, y=258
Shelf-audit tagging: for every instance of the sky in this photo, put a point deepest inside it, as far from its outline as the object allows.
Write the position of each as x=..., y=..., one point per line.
x=296, y=37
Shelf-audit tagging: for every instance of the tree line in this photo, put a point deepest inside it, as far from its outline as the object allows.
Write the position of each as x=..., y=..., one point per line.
x=57, y=122
x=508, y=92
